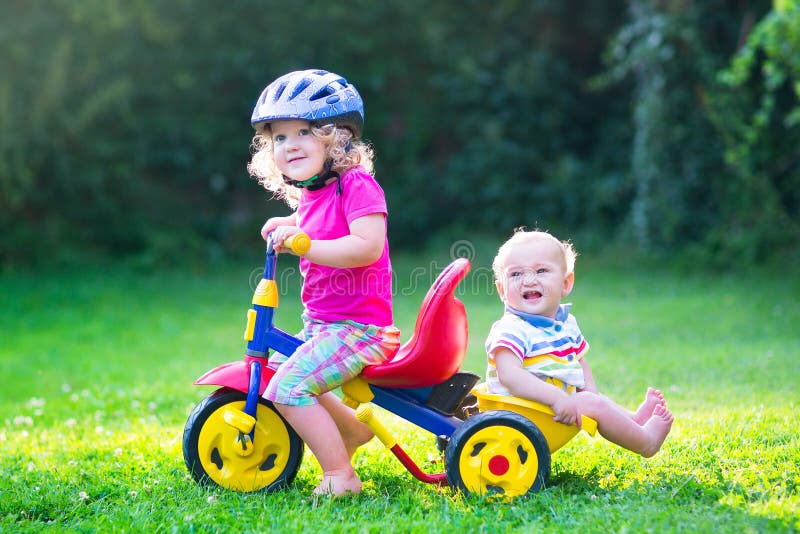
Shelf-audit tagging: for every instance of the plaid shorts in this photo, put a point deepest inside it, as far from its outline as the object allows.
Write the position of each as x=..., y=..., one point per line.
x=332, y=355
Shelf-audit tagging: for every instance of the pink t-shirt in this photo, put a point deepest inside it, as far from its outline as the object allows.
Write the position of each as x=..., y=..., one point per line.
x=361, y=294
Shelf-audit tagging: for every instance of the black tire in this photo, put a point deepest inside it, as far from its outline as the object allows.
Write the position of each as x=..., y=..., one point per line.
x=211, y=455
x=498, y=452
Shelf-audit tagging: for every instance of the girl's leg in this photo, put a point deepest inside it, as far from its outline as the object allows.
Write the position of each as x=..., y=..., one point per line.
x=354, y=432
x=331, y=355
x=318, y=430
x=616, y=425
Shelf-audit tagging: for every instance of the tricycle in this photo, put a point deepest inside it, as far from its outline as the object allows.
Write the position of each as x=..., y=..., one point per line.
x=236, y=439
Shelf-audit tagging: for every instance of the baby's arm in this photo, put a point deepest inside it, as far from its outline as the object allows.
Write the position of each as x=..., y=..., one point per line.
x=363, y=246
x=588, y=378
x=521, y=383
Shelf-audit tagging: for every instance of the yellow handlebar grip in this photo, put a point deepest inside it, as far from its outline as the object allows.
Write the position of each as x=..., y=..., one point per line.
x=298, y=243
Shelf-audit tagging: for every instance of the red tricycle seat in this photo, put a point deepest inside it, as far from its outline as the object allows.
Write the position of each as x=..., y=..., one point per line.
x=437, y=347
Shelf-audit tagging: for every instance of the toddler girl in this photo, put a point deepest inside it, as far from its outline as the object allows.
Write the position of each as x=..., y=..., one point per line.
x=308, y=152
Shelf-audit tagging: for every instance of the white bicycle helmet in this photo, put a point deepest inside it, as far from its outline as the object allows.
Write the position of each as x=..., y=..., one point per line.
x=317, y=96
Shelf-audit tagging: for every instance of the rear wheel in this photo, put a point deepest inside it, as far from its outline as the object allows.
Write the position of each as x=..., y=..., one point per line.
x=216, y=452
x=498, y=452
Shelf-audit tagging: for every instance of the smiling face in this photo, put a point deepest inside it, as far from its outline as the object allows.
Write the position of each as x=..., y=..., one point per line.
x=534, y=277
x=298, y=153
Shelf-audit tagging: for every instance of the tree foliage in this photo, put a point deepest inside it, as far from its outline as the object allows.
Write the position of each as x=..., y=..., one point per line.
x=124, y=124
x=757, y=113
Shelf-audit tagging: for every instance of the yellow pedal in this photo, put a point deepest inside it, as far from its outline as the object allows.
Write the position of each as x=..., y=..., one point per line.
x=239, y=420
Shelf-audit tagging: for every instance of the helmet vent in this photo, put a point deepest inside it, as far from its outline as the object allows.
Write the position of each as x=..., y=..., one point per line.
x=278, y=92
x=299, y=88
x=322, y=93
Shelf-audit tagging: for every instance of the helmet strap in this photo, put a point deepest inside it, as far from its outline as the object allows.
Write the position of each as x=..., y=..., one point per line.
x=318, y=181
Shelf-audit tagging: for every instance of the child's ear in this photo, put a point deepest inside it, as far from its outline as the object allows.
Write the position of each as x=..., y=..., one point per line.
x=500, y=290
x=569, y=283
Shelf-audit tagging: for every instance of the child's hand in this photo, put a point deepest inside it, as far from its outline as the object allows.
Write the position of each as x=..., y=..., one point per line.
x=280, y=235
x=567, y=412
x=274, y=222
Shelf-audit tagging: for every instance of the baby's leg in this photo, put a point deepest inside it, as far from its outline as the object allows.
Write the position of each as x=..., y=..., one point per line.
x=354, y=432
x=615, y=424
x=652, y=399
x=658, y=427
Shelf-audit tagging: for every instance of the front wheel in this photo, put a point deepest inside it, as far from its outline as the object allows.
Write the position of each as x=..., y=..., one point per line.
x=498, y=452
x=215, y=451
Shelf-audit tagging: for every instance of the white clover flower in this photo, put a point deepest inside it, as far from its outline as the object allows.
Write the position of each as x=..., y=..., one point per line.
x=83, y=496
x=35, y=402
x=66, y=388
x=23, y=420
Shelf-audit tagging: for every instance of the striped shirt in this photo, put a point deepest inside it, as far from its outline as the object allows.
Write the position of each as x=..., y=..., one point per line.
x=548, y=348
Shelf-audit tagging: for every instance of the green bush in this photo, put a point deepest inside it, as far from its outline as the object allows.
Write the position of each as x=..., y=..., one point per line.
x=124, y=126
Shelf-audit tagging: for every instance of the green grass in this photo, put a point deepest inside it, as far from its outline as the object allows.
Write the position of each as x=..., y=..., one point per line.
x=97, y=370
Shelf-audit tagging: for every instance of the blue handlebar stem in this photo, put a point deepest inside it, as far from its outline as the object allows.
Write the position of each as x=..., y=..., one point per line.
x=270, y=263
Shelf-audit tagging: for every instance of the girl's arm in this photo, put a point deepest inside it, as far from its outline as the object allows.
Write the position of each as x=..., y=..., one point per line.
x=362, y=247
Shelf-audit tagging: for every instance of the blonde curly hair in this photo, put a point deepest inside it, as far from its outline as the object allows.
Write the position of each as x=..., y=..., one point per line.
x=344, y=153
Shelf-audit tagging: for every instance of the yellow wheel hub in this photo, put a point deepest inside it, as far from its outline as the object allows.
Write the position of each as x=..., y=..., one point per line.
x=499, y=459
x=240, y=464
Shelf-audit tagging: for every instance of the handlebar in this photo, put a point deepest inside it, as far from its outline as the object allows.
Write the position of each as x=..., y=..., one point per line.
x=298, y=243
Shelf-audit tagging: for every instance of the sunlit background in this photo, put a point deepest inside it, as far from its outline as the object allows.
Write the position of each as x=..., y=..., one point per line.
x=668, y=127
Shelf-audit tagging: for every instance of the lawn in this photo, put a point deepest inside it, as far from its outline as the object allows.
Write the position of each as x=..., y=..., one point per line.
x=98, y=366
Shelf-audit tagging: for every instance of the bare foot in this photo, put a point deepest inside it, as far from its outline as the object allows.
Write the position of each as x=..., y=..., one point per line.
x=336, y=485
x=657, y=427
x=652, y=399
